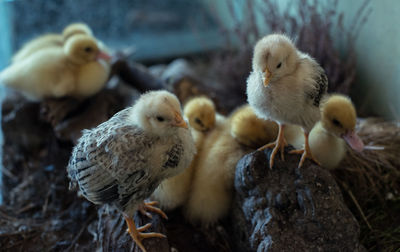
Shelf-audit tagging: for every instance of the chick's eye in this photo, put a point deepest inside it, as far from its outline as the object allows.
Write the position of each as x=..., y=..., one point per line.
x=279, y=65
x=337, y=123
x=198, y=121
x=88, y=49
x=160, y=118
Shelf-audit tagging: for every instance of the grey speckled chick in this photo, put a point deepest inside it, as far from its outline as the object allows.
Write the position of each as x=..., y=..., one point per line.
x=287, y=86
x=124, y=159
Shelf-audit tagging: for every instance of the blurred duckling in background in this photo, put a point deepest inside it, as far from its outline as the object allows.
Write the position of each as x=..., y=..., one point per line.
x=200, y=111
x=51, y=40
x=201, y=114
x=250, y=130
x=212, y=187
x=329, y=136
x=76, y=69
x=76, y=28
x=173, y=192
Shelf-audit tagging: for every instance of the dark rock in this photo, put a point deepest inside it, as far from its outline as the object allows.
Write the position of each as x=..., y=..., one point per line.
x=290, y=209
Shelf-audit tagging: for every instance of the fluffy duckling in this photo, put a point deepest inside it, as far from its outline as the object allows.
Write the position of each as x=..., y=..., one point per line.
x=329, y=136
x=212, y=187
x=123, y=160
x=51, y=40
x=76, y=69
x=76, y=28
x=286, y=86
x=250, y=130
x=200, y=112
x=173, y=192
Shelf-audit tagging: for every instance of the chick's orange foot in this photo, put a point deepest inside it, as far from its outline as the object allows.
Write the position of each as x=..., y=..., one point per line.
x=145, y=207
x=279, y=144
x=305, y=153
x=136, y=234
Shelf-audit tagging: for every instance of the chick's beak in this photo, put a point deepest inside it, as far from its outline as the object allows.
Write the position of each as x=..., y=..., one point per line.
x=179, y=122
x=103, y=55
x=353, y=140
x=267, y=77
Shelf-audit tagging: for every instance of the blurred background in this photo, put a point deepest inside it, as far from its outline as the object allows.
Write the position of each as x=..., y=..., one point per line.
x=162, y=30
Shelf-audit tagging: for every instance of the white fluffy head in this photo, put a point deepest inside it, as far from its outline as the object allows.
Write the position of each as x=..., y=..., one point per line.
x=277, y=53
x=158, y=112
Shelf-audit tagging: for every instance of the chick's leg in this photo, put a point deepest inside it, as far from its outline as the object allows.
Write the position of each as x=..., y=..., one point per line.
x=279, y=144
x=306, y=152
x=136, y=234
x=149, y=206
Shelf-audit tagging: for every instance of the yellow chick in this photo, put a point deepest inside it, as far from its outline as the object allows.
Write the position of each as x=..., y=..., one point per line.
x=76, y=69
x=76, y=28
x=212, y=187
x=50, y=40
x=250, y=130
x=200, y=112
x=173, y=192
x=329, y=136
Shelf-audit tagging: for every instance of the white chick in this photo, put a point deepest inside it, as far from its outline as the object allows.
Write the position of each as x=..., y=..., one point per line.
x=74, y=70
x=250, y=130
x=286, y=86
x=50, y=40
x=212, y=187
x=123, y=160
x=173, y=192
x=329, y=136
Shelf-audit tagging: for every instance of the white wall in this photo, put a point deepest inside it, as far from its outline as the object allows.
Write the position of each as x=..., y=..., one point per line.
x=378, y=54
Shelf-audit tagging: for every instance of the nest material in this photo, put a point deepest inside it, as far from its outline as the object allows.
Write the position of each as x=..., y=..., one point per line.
x=375, y=172
x=371, y=184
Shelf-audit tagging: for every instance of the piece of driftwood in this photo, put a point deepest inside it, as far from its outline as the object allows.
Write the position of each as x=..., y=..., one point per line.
x=290, y=209
x=135, y=75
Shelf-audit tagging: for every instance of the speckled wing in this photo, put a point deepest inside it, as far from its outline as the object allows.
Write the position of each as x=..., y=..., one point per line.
x=109, y=163
x=321, y=86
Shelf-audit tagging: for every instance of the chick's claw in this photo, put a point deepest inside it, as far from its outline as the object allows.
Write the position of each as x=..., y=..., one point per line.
x=305, y=154
x=279, y=144
x=149, y=206
x=136, y=234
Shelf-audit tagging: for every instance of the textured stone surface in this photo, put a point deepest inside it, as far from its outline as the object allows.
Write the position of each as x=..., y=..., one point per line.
x=290, y=209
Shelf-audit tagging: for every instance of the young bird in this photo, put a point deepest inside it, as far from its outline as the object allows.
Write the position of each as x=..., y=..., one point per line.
x=250, y=130
x=286, y=86
x=123, y=160
x=212, y=187
x=200, y=112
x=76, y=69
x=329, y=136
x=173, y=192
x=50, y=40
